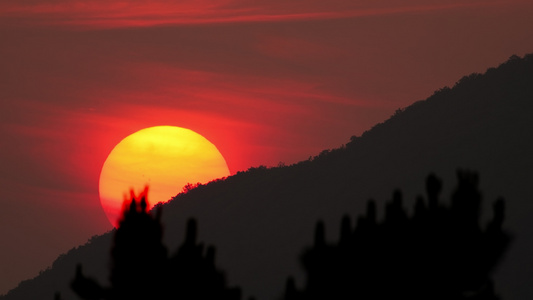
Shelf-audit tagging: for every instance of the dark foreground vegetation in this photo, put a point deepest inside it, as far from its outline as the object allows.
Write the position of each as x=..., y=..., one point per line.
x=142, y=269
x=440, y=252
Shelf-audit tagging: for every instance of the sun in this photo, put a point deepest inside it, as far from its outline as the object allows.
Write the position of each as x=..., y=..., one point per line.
x=164, y=157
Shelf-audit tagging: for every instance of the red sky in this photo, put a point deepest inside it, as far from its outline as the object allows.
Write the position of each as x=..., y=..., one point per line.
x=265, y=81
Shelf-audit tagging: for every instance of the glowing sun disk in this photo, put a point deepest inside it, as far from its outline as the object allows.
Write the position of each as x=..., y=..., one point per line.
x=164, y=157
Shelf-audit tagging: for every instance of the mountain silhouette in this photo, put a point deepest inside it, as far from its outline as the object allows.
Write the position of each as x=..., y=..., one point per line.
x=260, y=219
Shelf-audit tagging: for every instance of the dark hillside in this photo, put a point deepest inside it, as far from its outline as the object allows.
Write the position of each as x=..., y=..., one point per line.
x=260, y=219
x=483, y=123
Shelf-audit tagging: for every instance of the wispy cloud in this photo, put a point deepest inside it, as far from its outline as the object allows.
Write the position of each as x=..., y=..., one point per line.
x=111, y=14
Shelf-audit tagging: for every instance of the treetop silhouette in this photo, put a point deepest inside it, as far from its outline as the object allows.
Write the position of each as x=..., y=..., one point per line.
x=440, y=252
x=142, y=269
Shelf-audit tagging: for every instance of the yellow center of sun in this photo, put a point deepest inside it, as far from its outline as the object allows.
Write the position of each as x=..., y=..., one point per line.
x=164, y=157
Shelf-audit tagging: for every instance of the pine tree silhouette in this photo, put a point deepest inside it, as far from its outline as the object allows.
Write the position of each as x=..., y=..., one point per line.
x=141, y=268
x=439, y=253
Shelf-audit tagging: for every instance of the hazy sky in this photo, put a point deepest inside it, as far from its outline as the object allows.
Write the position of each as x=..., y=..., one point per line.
x=266, y=81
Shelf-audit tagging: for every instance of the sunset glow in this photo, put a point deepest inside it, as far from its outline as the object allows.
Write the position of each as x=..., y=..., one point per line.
x=269, y=82
x=165, y=158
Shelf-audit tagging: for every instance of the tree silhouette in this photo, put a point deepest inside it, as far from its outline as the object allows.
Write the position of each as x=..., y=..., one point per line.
x=142, y=269
x=441, y=252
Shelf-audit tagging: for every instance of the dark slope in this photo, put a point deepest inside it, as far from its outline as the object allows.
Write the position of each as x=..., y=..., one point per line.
x=261, y=219
x=94, y=256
